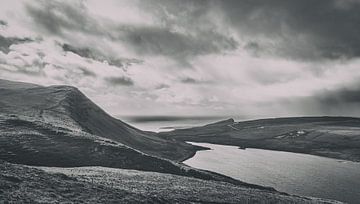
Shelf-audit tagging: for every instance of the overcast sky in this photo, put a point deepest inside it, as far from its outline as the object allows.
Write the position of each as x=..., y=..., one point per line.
x=251, y=58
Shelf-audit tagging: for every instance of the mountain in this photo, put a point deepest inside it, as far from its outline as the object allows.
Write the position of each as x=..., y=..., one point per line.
x=66, y=107
x=336, y=137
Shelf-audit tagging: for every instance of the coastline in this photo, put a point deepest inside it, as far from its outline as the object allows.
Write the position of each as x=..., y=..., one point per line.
x=331, y=155
x=224, y=158
x=193, y=152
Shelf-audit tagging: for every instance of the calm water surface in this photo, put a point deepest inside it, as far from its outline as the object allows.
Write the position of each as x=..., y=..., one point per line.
x=293, y=173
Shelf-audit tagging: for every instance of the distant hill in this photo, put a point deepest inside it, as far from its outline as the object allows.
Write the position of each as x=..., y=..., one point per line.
x=336, y=137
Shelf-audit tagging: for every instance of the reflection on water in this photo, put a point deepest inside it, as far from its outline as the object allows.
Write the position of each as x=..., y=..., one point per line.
x=293, y=173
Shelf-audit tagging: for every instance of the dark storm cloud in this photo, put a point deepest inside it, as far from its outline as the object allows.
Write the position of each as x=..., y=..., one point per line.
x=120, y=81
x=3, y=23
x=339, y=97
x=56, y=18
x=87, y=72
x=95, y=55
x=189, y=80
x=340, y=101
x=162, y=41
x=200, y=34
x=162, y=86
x=6, y=42
x=253, y=48
x=303, y=29
x=83, y=52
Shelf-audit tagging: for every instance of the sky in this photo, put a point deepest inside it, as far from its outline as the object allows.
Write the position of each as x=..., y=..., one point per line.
x=248, y=58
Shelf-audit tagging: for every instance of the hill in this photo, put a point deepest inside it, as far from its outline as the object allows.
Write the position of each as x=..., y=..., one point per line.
x=336, y=137
x=66, y=107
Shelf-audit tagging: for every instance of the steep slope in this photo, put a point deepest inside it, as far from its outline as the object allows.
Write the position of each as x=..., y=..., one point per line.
x=67, y=107
x=337, y=137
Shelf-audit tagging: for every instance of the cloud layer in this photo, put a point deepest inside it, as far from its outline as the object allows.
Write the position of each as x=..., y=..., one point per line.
x=253, y=58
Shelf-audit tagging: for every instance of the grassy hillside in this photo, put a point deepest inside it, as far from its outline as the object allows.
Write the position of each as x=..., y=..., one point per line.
x=337, y=137
x=22, y=184
x=66, y=107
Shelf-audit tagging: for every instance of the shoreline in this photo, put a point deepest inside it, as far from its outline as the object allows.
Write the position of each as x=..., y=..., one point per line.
x=330, y=155
x=192, y=154
x=218, y=148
